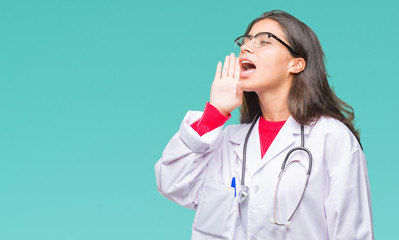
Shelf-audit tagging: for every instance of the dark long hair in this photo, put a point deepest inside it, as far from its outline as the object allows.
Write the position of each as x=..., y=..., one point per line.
x=310, y=95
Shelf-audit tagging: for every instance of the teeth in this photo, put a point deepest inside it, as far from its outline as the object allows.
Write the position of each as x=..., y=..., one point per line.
x=244, y=64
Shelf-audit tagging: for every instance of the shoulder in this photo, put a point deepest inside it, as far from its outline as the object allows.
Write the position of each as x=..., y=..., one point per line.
x=330, y=125
x=335, y=137
x=335, y=130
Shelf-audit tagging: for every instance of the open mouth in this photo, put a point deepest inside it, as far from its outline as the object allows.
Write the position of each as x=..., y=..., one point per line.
x=247, y=68
x=247, y=65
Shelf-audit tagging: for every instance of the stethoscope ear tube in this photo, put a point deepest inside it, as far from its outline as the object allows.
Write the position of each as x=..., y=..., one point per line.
x=301, y=148
x=288, y=222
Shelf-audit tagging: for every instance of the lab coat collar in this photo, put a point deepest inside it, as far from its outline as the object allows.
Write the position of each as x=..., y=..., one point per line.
x=284, y=139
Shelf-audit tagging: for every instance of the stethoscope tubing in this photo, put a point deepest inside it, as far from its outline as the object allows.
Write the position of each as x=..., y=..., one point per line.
x=244, y=154
x=245, y=190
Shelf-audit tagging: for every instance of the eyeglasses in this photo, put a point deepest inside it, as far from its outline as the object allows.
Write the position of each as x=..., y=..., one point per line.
x=260, y=40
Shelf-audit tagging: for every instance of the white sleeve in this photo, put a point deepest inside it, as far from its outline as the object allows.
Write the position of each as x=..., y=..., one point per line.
x=181, y=170
x=348, y=204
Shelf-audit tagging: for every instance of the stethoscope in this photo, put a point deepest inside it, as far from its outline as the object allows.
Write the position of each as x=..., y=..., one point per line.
x=244, y=192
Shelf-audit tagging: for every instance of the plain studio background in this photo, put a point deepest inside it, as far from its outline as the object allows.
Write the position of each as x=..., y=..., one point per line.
x=92, y=91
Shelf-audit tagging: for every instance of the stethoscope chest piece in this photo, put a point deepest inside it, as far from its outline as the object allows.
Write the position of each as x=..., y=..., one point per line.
x=243, y=194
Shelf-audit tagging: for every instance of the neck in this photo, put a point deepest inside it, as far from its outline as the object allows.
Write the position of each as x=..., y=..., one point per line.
x=274, y=106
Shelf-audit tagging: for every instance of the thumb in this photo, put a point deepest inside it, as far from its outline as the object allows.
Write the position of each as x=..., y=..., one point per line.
x=239, y=90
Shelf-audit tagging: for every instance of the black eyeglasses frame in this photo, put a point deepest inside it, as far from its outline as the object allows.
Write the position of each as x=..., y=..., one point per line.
x=292, y=51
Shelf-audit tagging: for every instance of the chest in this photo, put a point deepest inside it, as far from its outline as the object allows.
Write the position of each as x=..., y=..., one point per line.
x=261, y=176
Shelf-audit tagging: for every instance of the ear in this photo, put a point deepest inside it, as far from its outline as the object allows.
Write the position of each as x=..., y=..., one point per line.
x=296, y=65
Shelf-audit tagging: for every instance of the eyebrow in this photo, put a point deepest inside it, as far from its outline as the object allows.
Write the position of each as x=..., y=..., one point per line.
x=257, y=33
x=261, y=32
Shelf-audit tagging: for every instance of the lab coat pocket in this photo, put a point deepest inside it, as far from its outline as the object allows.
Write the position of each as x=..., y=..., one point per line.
x=217, y=210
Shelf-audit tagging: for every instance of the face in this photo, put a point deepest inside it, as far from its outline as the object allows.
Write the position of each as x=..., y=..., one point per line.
x=272, y=61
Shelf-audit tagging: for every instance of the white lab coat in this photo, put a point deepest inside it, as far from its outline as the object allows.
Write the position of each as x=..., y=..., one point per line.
x=196, y=172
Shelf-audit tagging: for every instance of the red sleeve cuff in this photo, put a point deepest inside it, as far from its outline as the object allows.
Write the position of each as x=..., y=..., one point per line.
x=210, y=120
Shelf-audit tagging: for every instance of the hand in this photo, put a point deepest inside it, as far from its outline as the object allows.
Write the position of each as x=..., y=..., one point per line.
x=226, y=91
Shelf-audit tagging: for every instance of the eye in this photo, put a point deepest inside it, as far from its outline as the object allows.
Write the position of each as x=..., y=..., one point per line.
x=264, y=42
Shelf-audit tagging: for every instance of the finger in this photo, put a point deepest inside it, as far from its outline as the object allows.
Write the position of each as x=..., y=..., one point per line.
x=237, y=70
x=218, y=73
x=232, y=65
x=226, y=66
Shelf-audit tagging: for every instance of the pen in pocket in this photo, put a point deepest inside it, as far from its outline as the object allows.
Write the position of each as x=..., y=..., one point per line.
x=233, y=185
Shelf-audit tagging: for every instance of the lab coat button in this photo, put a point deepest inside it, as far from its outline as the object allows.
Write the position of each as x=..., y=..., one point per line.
x=255, y=189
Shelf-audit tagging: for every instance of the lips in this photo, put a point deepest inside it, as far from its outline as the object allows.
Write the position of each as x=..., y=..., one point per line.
x=247, y=67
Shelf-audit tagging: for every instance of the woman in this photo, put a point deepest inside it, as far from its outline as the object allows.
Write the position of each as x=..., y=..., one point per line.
x=280, y=82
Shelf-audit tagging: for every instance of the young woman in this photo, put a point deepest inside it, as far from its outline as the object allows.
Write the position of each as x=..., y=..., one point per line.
x=293, y=169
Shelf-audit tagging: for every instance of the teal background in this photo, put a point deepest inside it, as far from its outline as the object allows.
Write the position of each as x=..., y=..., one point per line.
x=92, y=91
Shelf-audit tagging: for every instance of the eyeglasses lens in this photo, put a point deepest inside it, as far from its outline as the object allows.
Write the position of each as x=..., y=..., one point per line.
x=240, y=41
x=243, y=40
x=237, y=49
x=261, y=40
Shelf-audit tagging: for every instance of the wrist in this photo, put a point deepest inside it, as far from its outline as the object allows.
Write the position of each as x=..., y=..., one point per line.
x=225, y=113
x=221, y=110
x=211, y=119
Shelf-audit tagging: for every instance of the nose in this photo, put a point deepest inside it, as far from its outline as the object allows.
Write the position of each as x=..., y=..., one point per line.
x=247, y=47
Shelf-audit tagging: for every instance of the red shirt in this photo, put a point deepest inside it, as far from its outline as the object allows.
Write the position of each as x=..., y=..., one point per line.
x=212, y=119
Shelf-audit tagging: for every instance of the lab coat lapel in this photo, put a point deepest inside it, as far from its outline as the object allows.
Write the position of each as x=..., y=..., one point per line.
x=253, y=147
x=253, y=150
x=286, y=137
